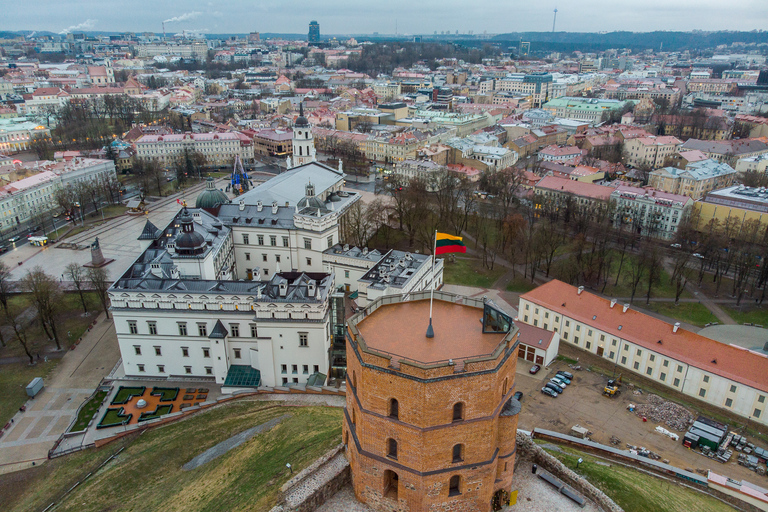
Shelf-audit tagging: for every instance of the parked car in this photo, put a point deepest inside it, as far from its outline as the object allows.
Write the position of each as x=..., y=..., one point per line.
x=14, y=239
x=549, y=392
x=568, y=375
x=518, y=396
x=554, y=387
x=562, y=378
x=697, y=255
x=675, y=246
x=558, y=384
x=534, y=369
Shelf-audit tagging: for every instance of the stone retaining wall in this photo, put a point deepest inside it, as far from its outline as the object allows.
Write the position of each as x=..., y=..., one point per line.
x=527, y=449
x=318, y=492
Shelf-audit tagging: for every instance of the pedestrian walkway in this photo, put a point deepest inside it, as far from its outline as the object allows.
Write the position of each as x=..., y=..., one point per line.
x=48, y=415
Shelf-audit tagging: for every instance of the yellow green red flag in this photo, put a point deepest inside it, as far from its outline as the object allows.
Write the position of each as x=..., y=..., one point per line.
x=445, y=243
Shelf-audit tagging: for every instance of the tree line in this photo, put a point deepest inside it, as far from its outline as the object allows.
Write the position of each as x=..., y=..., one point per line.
x=45, y=293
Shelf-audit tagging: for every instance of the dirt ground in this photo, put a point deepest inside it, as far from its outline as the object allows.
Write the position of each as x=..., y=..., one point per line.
x=582, y=403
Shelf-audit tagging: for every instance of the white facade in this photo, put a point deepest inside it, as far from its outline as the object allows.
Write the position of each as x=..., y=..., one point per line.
x=17, y=133
x=25, y=198
x=218, y=148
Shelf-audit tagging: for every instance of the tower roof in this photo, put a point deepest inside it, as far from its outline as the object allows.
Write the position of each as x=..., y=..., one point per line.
x=301, y=121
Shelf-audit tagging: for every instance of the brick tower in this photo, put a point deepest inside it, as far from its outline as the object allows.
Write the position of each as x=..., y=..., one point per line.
x=430, y=423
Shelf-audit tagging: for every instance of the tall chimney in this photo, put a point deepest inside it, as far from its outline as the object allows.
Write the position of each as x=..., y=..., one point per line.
x=676, y=327
x=613, y=303
x=626, y=307
x=581, y=289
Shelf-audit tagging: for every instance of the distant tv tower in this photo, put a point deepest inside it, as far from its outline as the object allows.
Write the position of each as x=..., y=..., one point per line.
x=554, y=20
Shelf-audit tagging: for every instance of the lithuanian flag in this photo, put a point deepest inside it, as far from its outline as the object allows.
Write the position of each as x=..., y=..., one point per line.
x=445, y=244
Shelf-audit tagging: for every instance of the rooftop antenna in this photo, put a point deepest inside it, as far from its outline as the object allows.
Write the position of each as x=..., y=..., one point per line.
x=554, y=20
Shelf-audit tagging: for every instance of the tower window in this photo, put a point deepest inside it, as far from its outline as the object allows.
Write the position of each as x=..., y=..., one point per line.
x=454, y=486
x=458, y=453
x=392, y=448
x=458, y=412
x=394, y=409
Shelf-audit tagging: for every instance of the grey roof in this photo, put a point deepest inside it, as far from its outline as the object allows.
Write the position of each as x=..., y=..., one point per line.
x=219, y=331
x=726, y=147
x=150, y=232
x=296, y=287
x=288, y=187
x=701, y=170
x=354, y=252
x=396, y=268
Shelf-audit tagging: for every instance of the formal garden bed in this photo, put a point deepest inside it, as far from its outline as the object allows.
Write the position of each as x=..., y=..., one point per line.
x=165, y=394
x=161, y=410
x=114, y=418
x=124, y=394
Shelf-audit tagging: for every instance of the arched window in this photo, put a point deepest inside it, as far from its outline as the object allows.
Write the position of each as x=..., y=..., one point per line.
x=458, y=411
x=394, y=411
x=458, y=453
x=300, y=154
x=306, y=136
x=454, y=486
x=392, y=448
x=390, y=484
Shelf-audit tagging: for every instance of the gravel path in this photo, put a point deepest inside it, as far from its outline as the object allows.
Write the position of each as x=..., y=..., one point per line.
x=316, y=480
x=233, y=442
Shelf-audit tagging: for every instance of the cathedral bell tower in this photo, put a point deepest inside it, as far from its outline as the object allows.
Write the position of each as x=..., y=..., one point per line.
x=303, y=142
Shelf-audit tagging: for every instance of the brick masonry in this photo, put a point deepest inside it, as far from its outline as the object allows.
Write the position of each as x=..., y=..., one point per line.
x=426, y=433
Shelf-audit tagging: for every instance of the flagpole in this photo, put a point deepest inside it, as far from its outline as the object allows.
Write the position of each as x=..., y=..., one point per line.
x=430, y=331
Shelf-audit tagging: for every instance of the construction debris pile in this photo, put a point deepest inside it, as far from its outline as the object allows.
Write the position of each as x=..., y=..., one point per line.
x=643, y=452
x=659, y=410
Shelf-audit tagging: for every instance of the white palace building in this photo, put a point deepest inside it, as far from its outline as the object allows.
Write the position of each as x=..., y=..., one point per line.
x=239, y=292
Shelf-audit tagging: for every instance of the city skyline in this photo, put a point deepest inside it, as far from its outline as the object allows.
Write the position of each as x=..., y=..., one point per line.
x=344, y=17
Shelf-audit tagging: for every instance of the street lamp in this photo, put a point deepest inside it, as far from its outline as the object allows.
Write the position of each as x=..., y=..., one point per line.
x=578, y=462
x=290, y=468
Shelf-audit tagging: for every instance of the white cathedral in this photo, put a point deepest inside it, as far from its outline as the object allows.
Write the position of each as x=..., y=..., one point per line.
x=238, y=291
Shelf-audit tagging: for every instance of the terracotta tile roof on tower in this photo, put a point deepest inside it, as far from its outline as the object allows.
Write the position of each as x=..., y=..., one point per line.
x=728, y=361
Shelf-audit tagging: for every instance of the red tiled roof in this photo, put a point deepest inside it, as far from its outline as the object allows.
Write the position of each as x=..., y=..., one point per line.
x=578, y=188
x=534, y=336
x=732, y=362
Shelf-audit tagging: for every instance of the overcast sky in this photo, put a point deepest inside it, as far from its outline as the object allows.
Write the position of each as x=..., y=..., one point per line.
x=366, y=16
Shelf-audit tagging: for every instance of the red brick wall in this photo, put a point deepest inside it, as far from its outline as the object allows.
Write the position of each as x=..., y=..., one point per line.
x=426, y=434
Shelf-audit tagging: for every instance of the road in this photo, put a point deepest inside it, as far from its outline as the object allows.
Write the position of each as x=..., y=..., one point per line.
x=117, y=237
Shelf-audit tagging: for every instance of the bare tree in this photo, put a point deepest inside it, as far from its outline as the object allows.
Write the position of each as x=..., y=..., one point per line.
x=46, y=296
x=7, y=287
x=99, y=279
x=635, y=274
x=653, y=262
x=75, y=273
x=681, y=273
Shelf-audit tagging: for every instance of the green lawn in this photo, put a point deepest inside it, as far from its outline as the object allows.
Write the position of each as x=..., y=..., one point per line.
x=147, y=475
x=470, y=272
x=166, y=394
x=88, y=410
x=161, y=410
x=635, y=491
x=520, y=284
x=125, y=393
x=14, y=378
x=691, y=312
x=114, y=417
x=748, y=313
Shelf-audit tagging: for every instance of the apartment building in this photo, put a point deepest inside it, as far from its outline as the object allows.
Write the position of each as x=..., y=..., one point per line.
x=26, y=198
x=650, y=151
x=696, y=180
x=648, y=211
x=582, y=109
x=195, y=50
x=722, y=375
x=219, y=149
x=729, y=151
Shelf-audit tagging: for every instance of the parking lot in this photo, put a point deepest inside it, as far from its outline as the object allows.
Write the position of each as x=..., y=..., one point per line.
x=583, y=403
